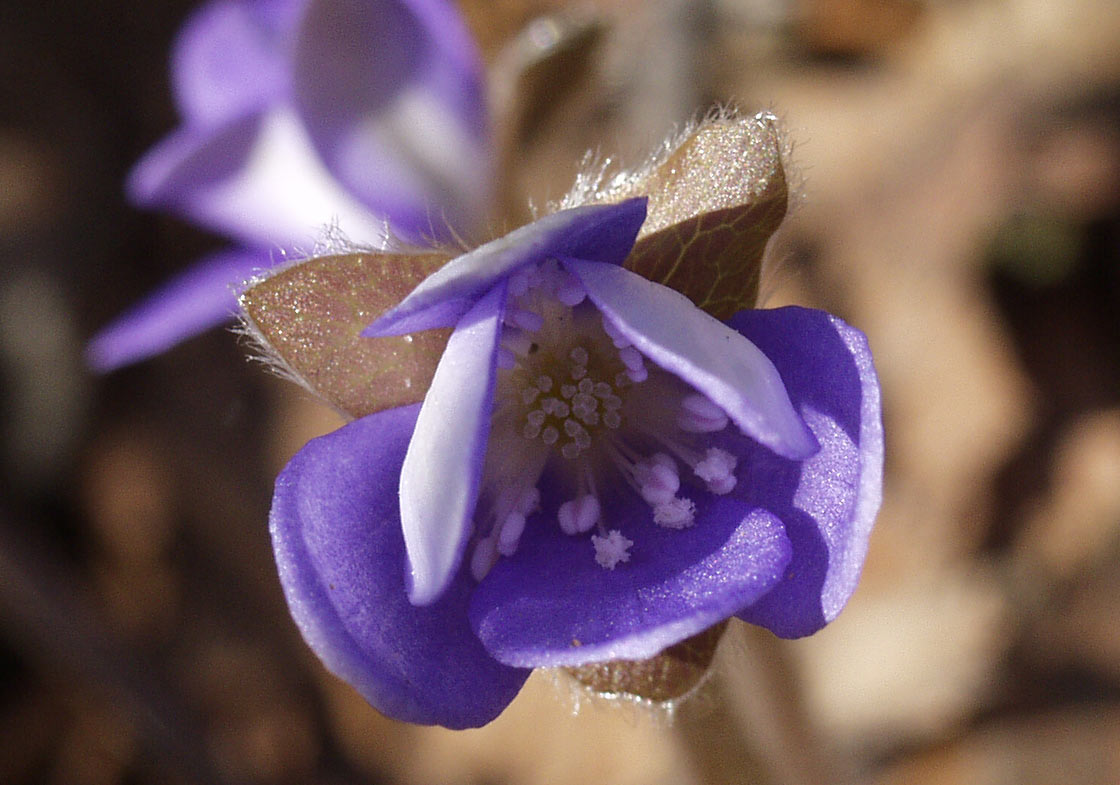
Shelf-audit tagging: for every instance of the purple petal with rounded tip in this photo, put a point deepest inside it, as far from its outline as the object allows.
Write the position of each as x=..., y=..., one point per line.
x=669, y=329
x=231, y=58
x=392, y=95
x=441, y=473
x=551, y=603
x=202, y=297
x=828, y=503
x=256, y=178
x=604, y=233
x=337, y=537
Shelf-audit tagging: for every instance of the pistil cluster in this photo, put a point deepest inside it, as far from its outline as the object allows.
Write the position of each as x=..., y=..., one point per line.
x=574, y=400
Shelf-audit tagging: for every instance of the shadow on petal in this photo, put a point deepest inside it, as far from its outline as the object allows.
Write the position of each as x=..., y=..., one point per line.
x=336, y=532
x=828, y=503
x=552, y=604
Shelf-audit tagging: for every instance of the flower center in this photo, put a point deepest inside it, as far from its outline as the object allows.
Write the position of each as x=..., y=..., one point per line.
x=575, y=401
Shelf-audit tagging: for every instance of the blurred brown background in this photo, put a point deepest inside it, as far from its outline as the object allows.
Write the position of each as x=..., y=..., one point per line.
x=958, y=165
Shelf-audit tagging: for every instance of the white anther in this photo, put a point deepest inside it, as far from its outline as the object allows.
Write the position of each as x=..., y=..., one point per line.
x=602, y=390
x=509, y=537
x=529, y=501
x=677, y=513
x=631, y=357
x=637, y=374
x=517, y=342
x=568, y=390
x=578, y=372
x=536, y=417
x=699, y=415
x=617, y=338
x=483, y=558
x=573, y=428
x=549, y=435
x=544, y=383
x=586, y=386
x=657, y=478
x=717, y=470
x=570, y=291
x=578, y=355
x=612, y=549
x=507, y=360
x=612, y=420
x=578, y=515
x=526, y=320
x=531, y=431
x=590, y=418
x=530, y=394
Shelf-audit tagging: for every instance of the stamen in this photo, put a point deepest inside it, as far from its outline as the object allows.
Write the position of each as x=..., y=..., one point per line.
x=530, y=321
x=717, y=470
x=657, y=478
x=484, y=556
x=510, y=535
x=612, y=549
x=677, y=513
x=699, y=415
x=571, y=291
x=507, y=360
x=578, y=515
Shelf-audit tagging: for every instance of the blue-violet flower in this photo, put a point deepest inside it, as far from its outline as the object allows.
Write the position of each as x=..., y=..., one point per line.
x=598, y=470
x=368, y=115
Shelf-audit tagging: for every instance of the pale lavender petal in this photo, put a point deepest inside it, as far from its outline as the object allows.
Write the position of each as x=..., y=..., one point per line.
x=604, y=233
x=667, y=328
x=256, y=178
x=551, y=604
x=337, y=536
x=440, y=478
x=392, y=95
x=231, y=58
x=202, y=297
x=828, y=502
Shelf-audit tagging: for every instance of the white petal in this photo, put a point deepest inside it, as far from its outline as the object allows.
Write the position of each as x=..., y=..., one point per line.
x=443, y=465
x=666, y=327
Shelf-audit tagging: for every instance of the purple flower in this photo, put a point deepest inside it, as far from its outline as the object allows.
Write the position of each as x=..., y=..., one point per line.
x=367, y=115
x=599, y=470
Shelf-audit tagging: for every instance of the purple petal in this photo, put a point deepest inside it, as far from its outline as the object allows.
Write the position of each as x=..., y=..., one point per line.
x=551, y=604
x=337, y=536
x=392, y=94
x=439, y=481
x=828, y=502
x=604, y=233
x=231, y=58
x=666, y=327
x=256, y=178
x=202, y=297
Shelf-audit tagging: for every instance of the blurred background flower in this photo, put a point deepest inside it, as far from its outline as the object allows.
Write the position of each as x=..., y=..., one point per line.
x=298, y=115
x=960, y=160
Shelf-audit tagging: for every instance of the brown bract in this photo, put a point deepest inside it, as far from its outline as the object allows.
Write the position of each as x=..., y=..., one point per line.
x=672, y=674
x=715, y=199
x=309, y=318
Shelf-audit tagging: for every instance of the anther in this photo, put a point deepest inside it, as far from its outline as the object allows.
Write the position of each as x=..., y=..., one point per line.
x=483, y=558
x=510, y=535
x=676, y=513
x=570, y=292
x=507, y=360
x=699, y=415
x=612, y=549
x=657, y=479
x=578, y=515
x=717, y=470
x=526, y=320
